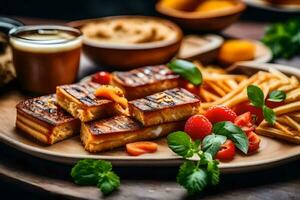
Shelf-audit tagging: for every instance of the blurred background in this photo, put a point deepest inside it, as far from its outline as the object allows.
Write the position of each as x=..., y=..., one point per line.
x=71, y=10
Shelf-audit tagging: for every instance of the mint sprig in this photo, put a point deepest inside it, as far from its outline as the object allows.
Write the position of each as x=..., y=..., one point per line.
x=187, y=70
x=194, y=176
x=96, y=172
x=256, y=97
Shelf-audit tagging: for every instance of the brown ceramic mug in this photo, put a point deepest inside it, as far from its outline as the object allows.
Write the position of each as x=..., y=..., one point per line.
x=45, y=56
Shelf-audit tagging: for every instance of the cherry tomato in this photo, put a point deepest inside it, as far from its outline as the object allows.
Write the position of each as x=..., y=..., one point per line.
x=272, y=104
x=226, y=152
x=254, y=142
x=198, y=127
x=247, y=107
x=189, y=86
x=245, y=122
x=102, y=78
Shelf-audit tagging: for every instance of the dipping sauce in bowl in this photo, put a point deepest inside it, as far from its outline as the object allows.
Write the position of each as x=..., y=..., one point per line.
x=45, y=56
x=126, y=42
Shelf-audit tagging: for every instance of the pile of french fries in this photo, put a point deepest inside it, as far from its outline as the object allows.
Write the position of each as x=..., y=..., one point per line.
x=230, y=90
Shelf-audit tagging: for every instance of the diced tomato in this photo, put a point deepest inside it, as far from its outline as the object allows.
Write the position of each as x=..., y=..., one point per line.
x=226, y=152
x=245, y=122
x=254, y=142
x=102, y=78
x=142, y=147
x=189, y=86
x=247, y=107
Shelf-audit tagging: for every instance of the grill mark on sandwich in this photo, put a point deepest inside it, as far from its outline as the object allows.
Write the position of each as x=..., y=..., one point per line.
x=113, y=125
x=45, y=109
x=167, y=98
x=146, y=75
x=84, y=93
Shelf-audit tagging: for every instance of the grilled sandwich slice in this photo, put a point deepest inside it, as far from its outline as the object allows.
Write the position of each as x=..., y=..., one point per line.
x=145, y=81
x=119, y=130
x=44, y=120
x=79, y=100
x=167, y=106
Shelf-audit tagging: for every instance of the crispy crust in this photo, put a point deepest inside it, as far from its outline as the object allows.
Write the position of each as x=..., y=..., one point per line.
x=45, y=121
x=105, y=135
x=168, y=106
x=80, y=102
x=145, y=81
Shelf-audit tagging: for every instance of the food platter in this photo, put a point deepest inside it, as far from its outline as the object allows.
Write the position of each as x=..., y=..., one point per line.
x=272, y=152
x=280, y=8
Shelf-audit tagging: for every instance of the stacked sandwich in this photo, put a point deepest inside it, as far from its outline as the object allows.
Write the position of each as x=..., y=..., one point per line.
x=156, y=107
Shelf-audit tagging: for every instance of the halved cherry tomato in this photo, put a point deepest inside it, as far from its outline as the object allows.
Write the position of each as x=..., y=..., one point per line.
x=138, y=148
x=226, y=152
x=272, y=104
x=245, y=106
x=102, y=78
x=254, y=142
x=245, y=122
x=189, y=86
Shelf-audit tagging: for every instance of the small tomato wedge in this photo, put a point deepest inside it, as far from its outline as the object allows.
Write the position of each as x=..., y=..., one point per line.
x=244, y=121
x=254, y=142
x=226, y=152
x=243, y=107
x=138, y=148
x=272, y=104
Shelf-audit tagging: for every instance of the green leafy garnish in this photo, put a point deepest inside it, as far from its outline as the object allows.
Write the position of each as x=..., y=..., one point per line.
x=277, y=96
x=96, y=172
x=182, y=144
x=234, y=133
x=283, y=38
x=256, y=97
x=212, y=143
x=194, y=176
x=187, y=70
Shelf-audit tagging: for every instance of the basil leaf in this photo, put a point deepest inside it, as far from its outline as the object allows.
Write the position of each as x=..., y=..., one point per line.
x=255, y=95
x=187, y=70
x=269, y=115
x=277, y=96
x=212, y=143
x=233, y=133
x=181, y=143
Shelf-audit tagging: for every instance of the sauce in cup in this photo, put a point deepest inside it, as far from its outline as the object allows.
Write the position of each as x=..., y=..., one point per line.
x=45, y=56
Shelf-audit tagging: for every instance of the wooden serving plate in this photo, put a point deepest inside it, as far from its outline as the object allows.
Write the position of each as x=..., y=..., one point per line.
x=272, y=152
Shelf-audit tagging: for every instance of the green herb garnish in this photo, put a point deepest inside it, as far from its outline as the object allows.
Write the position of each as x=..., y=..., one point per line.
x=256, y=97
x=283, y=38
x=277, y=96
x=194, y=176
x=96, y=172
x=187, y=70
x=212, y=143
x=234, y=133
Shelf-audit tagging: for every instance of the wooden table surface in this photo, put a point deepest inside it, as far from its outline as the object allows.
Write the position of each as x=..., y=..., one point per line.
x=23, y=175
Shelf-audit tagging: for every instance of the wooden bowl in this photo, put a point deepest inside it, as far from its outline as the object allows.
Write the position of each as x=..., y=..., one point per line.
x=213, y=21
x=124, y=57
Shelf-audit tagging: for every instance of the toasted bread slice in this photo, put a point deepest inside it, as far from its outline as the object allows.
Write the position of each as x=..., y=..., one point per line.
x=119, y=130
x=79, y=100
x=145, y=81
x=44, y=120
x=167, y=106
